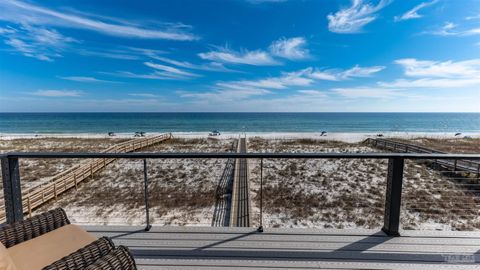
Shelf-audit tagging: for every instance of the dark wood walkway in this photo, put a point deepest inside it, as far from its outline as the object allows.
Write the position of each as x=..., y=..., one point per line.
x=240, y=197
x=244, y=248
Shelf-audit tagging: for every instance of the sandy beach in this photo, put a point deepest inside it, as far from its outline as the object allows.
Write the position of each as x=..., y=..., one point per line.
x=298, y=193
x=329, y=136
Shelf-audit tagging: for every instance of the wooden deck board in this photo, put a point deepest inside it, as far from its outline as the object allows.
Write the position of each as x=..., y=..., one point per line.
x=244, y=248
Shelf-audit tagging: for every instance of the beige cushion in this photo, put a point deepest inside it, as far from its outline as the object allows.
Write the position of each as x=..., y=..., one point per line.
x=50, y=247
x=6, y=262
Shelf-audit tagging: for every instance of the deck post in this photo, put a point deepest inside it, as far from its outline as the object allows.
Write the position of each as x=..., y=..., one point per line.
x=11, y=190
x=260, y=228
x=393, y=197
x=145, y=181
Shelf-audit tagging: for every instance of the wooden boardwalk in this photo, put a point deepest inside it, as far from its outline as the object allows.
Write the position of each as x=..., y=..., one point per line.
x=245, y=248
x=240, y=211
x=468, y=166
x=223, y=194
x=38, y=195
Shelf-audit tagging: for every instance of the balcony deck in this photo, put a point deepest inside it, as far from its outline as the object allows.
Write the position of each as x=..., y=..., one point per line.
x=244, y=248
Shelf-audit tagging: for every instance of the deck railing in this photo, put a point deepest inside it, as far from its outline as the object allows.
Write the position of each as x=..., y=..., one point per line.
x=14, y=206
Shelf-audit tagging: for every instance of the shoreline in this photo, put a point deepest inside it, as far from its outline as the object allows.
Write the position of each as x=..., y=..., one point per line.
x=350, y=137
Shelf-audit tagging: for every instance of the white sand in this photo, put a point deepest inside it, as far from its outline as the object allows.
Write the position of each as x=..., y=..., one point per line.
x=350, y=137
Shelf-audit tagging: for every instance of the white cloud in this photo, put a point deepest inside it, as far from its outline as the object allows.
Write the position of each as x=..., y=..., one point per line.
x=312, y=93
x=169, y=71
x=26, y=13
x=113, y=54
x=437, y=74
x=83, y=79
x=143, y=95
x=211, y=66
x=291, y=48
x=474, y=17
x=412, y=14
x=36, y=42
x=354, y=18
x=254, y=58
x=57, y=93
x=358, y=71
x=433, y=83
x=366, y=92
x=282, y=82
x=451, y=29
x=164, y=76
x=224, y=95
x=338, y=75
x=447, y=69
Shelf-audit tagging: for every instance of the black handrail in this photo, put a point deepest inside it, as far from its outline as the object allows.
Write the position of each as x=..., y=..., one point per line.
x=240, y=155
x=13, y=196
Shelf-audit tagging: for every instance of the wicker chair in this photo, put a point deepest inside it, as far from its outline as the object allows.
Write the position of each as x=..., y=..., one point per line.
x=48, y=230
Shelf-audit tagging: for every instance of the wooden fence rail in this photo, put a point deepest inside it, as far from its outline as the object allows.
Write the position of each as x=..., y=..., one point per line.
x=462, y=165
x=36, y=196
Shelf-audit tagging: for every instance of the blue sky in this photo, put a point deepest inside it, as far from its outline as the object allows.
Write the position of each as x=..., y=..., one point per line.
x=240, y=55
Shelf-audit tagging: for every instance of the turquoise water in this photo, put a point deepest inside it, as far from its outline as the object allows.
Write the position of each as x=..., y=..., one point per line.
x=28, y=123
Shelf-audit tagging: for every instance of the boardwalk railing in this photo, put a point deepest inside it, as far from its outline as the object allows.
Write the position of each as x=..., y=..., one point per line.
x=36, y=196
x=463, y=165
x=15, y=203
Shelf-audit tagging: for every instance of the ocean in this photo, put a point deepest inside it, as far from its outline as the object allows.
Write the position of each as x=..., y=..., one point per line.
x=72, y=123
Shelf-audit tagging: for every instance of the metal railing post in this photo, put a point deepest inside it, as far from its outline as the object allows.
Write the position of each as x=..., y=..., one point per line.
x=145, y=181
x=393, y=197
x=11, y=190
x=260, y=228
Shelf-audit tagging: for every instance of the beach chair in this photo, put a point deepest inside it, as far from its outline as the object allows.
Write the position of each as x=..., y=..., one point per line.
x=48, y=241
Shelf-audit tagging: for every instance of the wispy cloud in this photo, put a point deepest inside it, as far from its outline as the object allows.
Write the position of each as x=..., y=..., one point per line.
x=433, y=83
x=226, y=55
x=211, y=66
x=288, y=48
x=355, y=17
x=150, y=76
x=291, y=48
x=474, y=17
x=339, y=75
x=57, y=93
x=282, y=82
x=111, y=53
x=160, y=72
x=224, y=95
x=37, y=42
x=446, y=69
x=366, y=92
x=84, y=79
x=452, y=29
x=169, y=71
x=413, y=13
x=143, y=95
x=437, y=74
x=26, y=13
